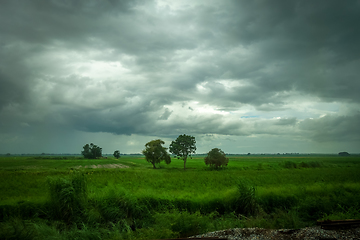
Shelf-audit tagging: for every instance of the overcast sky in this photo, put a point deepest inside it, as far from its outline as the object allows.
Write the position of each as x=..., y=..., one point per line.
x=245, y=76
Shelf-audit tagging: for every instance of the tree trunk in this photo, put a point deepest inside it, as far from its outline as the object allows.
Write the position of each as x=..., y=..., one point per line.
x=154, y=165
x=185, y=163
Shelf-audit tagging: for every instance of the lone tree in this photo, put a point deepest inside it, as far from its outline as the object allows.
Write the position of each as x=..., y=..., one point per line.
x=91, y=151
x=216, y=158
x=344, y=154
x=155, y=153
x=117, y=154
x=183, y=147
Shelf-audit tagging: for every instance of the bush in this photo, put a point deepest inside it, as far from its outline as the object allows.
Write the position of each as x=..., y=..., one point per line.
x=216, y=158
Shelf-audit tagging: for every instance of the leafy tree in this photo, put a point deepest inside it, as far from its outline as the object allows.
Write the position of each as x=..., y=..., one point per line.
x=216, y=158
x=183, y=147
x=155, y=153
x=117, y=154
x=92, y=151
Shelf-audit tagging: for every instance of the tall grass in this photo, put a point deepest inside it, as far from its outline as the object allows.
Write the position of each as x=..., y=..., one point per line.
x=68, y=198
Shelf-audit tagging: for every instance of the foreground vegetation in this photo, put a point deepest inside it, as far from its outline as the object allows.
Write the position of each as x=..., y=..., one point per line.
x=51, y=198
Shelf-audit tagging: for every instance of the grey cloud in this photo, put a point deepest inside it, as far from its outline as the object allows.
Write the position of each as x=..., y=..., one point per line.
x=333, y=128
x=50, y=52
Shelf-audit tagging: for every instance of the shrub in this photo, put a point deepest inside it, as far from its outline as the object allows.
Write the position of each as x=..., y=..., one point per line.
x=216, y=158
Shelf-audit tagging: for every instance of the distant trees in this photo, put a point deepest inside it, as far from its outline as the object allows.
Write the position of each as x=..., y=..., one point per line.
x=91, y=151
x=155, y=153
x=117, y=154
x=216, y=158
x=183, y=147
x=344, y=154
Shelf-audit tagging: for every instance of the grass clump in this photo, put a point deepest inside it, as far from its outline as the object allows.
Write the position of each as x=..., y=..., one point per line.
x=245, y=201
x=310, y=165
x=68, y=198
x=289, y=164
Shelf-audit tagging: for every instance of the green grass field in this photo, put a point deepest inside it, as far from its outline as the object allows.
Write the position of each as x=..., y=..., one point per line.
x=45, y=197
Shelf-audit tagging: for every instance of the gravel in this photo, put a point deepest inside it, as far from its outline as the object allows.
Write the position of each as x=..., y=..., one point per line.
x=263, y=234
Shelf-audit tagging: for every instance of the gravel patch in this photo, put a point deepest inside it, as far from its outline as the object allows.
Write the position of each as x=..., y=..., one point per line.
x=281, y=234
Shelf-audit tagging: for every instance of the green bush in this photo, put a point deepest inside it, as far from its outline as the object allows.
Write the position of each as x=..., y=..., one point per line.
x=216, y=158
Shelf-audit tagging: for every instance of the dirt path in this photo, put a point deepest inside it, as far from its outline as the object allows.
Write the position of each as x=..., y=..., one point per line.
x=103, y=166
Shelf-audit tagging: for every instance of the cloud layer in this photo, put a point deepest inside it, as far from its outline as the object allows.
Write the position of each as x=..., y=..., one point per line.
x=281, y=69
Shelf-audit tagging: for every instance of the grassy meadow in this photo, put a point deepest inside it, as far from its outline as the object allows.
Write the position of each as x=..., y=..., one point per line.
x=52, y=198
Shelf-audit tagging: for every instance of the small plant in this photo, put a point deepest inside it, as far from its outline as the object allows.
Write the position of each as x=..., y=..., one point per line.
x=216, y=158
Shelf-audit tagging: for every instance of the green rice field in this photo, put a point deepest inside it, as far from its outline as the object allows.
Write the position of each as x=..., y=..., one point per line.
x=55, y=198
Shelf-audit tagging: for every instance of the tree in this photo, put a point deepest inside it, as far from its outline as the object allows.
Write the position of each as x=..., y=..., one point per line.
x=92, y=151
x=155, y=153
x=344, y=154
x=117, y=154
x=216, y=158
x=183, y=147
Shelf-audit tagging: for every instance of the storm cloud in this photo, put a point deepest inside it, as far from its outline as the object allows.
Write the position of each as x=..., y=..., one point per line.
x=227, y=72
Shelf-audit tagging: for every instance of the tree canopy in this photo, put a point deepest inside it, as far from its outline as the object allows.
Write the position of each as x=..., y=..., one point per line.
x=117, y=154
x=216, y=158
x=91, y=151
x=155, y=153
x=183, y=147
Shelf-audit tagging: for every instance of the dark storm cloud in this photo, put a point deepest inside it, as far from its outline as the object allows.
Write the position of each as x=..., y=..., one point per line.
x=139, y=67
